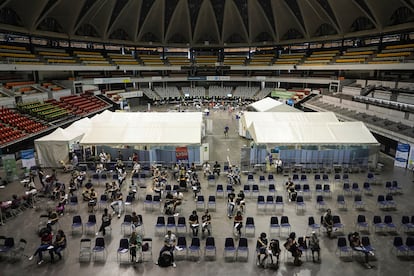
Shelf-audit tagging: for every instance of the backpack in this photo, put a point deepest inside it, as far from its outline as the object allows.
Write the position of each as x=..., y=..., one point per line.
x=165, y=259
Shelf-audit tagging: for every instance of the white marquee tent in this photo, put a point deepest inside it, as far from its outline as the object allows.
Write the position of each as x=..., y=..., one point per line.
x=53, y=148
x=144, y=128
x=304, y=128
x=271, y=105
x=121, y=128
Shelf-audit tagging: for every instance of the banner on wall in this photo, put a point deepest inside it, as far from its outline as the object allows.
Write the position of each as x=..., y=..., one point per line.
x=410, y=164
x=10, y=166
x=181, y=153
x=28, y=158
x=401, y=155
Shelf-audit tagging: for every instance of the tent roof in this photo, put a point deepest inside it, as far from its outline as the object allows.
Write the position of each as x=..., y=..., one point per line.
x=58, y=135
x=272, y=117
x=271, y=105
x=302, y=132
x=144, y=128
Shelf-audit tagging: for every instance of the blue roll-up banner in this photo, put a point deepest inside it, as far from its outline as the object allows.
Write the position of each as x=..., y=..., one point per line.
x=410, y=164
x=401, y=155
x=28, y=158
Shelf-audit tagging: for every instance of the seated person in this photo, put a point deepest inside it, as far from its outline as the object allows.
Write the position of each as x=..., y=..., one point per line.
x=169, y=204
x=292, y=246
x=59, y=245
x=196, y=187
x=314, y=246
x=133, y=189
x=231, y=202
x=290, y=188
x=206, y=169
x=117, y=203
x=206, y=222
x=135, y=243
x=60, y=209
x=240, y=200
x=88, y=185
x=135, y=221
x=46, y=240
x=53, y=218
x=178, y=200
x=327, y=222
x=216, y=168
x=238, y=223
x=136, y=168
x=72, y=187
x=274, y=250
x=194, y=223
x=93, y=197
x=355, y=242
x=261, y=249
x=99, y=168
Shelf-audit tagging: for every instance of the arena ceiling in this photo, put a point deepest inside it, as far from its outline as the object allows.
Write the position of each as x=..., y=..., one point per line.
x=193, y=23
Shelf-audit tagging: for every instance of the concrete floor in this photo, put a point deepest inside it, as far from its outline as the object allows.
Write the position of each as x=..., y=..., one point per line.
x=385, y=262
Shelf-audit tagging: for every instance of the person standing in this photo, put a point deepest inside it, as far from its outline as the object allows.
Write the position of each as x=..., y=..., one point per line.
x=135, y=243
x=226, y=131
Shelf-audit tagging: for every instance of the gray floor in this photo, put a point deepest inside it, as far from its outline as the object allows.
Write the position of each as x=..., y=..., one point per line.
x=385, y=261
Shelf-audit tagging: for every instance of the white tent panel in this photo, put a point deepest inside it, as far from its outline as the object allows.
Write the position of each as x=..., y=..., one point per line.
x=53, y=148
x=271, y=118
x=121, y=128
x=271, y=105
x=305, y=133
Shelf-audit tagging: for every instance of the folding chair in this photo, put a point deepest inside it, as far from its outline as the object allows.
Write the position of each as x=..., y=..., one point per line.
x=390, y=225
x=91, y=224
x=262, y=180
x=274, y=225
x=250, y=179
x=343, y=248
x=406, y=225
x=361, y=224
x=340, y=202
x=337, y=223
x=367, y=188
x=306, y=191
x=146, y=248
x=85, y=249
x=182, y=245
x=389, y=199
x=99, y=248
x=381, y=203
x=255, y=190
x=181, y=225
x=284, y=224
x=250, y=228
x=211, y=204
x=242, y=248
x=358, y=202
x=195, y=247
x=148, y=202
x=229, y=249
x=399, y=247
x=103, y=202
x=123, y=249
x=270, y=204
x=160, y=226
x=200, y=203
x=272, y=189
x=126, y=224
x=320, y=202
x=77, y=224
x=211, y=180
x=327, y=190
x=378, y=224
x=261, y=203
x=171, y=225
x=300, y=203
x=270, y=179
x=355, y=188
x=279, y=203
x=312, y=225
x=210, y=250
x=219, y=191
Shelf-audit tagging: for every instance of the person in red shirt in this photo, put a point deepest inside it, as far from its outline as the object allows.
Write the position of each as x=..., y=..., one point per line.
x=46, y=240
